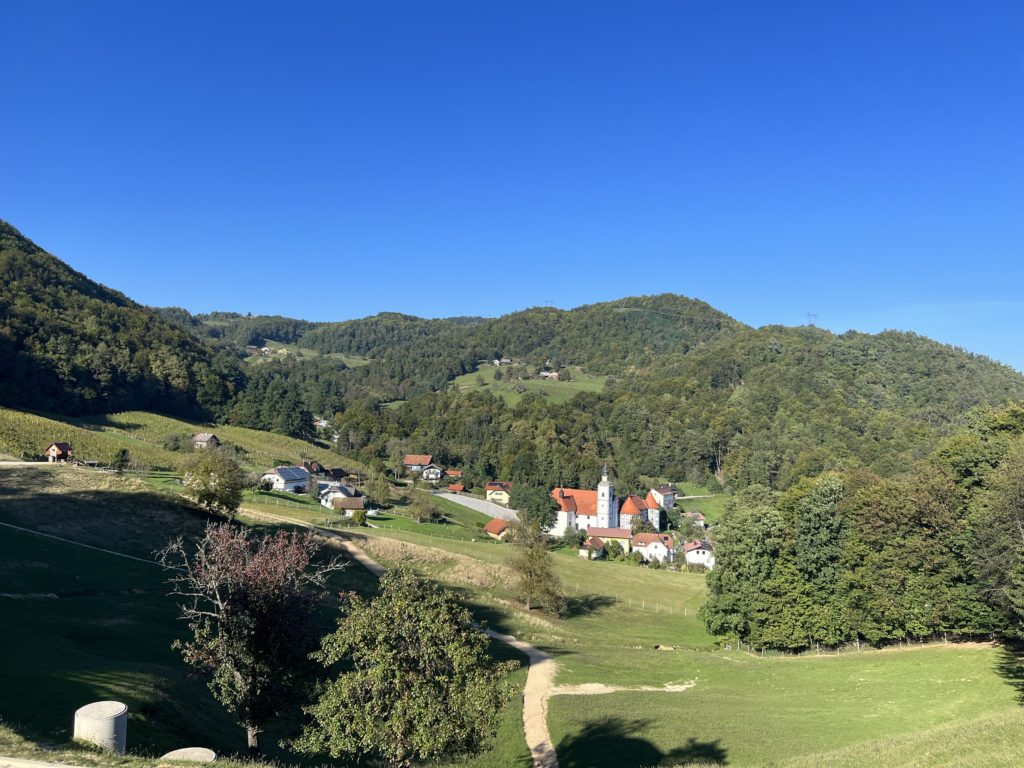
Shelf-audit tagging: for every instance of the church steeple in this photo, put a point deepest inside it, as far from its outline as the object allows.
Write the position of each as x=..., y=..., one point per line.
x=607, y=508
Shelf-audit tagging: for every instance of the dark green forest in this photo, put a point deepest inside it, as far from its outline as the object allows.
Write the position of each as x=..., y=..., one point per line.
x=691, y=394
x=853, y=557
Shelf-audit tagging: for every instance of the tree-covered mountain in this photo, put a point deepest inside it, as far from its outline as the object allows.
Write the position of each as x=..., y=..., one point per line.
x=690, y=392
x=70, y=345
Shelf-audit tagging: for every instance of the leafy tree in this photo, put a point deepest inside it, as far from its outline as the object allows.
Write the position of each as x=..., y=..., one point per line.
x=613, y=550
x=535, y=503
x=123, y=460
x=248, y=602
x=359, y=517
x=536, y=582
x=423, y=509
x=418, y=685
x=641, y=525
x=313, y=488
x=378, y=489
x=215, y=480
x=999, y=533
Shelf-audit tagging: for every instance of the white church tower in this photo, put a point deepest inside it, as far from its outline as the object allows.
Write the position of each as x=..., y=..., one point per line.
x=607, y=504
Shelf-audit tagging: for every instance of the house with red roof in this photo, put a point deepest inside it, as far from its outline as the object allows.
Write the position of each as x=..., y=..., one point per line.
x=655, y=546
x=498, y=492
x=456, y=488
x=699, y=553
x=416, y=462
x=592, y=548
x=497, y=528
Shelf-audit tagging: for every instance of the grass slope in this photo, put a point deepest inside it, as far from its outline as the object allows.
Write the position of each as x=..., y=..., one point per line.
x=555, y=391
x=144, y=435
x=86, y=625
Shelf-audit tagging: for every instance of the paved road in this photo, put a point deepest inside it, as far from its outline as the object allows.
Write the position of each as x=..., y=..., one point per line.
x=489, y=508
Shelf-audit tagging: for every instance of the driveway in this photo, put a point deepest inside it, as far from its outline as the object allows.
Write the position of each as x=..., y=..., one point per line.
x=489, y=508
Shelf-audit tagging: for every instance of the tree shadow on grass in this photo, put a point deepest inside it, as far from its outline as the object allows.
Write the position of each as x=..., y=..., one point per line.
x=1010, y=666
x=612, y=743
x=583, y=605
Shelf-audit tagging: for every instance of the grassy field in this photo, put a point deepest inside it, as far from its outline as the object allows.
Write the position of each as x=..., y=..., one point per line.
x=107, y=633
x=556, y=391
x=301, y=353
x=84, y=624
x=145, y=435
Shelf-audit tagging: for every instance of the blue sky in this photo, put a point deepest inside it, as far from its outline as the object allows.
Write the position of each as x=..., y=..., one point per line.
x=860, y=161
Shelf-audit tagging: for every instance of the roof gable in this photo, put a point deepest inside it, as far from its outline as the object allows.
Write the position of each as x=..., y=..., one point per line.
x=417, y=458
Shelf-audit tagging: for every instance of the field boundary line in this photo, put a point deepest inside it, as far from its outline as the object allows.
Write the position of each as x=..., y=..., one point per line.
x=79, y=544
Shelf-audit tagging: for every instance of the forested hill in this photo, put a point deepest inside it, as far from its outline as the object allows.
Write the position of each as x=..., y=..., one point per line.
x=662, y=386
x=70, y=345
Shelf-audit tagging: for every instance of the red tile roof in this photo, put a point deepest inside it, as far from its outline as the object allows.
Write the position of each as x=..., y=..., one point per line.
x=633, y=505
x=496, y=527
x=456, y=487
x=610, y=533
x=695, y=515
x=454, y=473
x=651, y=501
x=576, y=500
x=593, y=542
x=495, y=485
x=690, y=546
x=643, y=539
x=417, y=458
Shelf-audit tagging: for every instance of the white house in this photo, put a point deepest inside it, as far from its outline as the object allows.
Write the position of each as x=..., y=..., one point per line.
x=294, y=479
x=331, y=491
x=699, y=553
x=655, y=546
x=432, y=472
x=663, y=496
x=498, y=492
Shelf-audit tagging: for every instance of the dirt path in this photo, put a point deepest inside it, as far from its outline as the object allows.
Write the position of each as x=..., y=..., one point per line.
x=593, y=689
x=540, y=677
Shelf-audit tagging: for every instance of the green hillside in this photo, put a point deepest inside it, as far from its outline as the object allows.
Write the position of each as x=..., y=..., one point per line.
x=147, y=436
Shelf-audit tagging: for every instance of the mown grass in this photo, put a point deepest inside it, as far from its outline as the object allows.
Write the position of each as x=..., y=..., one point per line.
x=145, y=436
x=555, y=391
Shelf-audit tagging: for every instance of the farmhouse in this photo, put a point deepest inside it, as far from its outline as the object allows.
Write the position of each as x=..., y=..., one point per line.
x=699, y=553
x=432, y=472
x=497, y=528
x=498, y=492
x=316, y=468
x=456, y=488
x=416, y=462
x=698, y=519
x=294, y=479
x=453, y=472
x=655, y=546
x=204, y=440
x=59, y=452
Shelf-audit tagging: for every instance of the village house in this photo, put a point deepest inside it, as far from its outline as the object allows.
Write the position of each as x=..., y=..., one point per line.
x=417, y=462
x=432, y=472
x=655, y=546
x=454, y=473
x=698, y=519
x=316, y=468
x=663, y=496
x=293, y=479
x=497, y=528
x=456, y=488
x=699, y=553
x=549, y=375
x=498, y=492
x=592, y=548
x=204, y=440
x=59, y=452
x=607, y=535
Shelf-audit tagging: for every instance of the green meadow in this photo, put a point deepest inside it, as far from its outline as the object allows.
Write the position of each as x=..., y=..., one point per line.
x=556, y=391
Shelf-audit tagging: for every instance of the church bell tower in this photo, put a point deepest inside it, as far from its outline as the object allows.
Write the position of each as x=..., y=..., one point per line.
x=607, y=507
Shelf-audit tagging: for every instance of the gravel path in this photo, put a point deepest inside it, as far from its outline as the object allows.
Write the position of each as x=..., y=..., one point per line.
x=489, y=508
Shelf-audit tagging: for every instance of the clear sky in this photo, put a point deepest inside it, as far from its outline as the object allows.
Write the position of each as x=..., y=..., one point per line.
x=862, y=161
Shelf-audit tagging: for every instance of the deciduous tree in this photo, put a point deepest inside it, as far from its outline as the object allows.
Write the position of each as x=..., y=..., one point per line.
x=418, y=685
x=248, y=602
x=215, y=480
